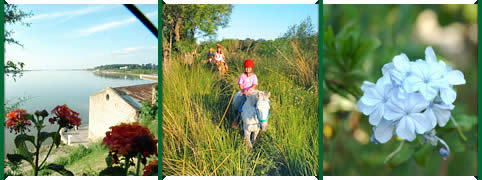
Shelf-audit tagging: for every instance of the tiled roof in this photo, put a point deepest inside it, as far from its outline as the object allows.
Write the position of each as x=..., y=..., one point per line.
x=138, y=93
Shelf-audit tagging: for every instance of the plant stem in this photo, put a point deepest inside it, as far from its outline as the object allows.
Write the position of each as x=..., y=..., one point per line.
x=390, y=156
x=50, y=149
x=37, y=152
x=459, y=131
x=128, y=161
x=138, y=164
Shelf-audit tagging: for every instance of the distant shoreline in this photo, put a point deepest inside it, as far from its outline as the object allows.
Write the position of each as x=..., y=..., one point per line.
x=149, y=77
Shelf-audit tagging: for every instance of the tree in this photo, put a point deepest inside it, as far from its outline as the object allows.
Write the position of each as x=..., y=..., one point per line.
x=13, y=15
x=183, y=22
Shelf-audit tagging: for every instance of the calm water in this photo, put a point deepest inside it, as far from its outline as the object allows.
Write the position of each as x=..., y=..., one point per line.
x=47, y=89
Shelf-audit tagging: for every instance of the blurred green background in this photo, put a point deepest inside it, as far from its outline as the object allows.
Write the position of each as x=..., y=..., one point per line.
x=357, y=41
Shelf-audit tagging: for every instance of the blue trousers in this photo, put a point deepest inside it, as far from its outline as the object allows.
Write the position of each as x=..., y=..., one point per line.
x=243, y=100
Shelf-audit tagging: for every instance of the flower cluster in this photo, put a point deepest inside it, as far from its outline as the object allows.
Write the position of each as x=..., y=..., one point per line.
x=16, y=121
x=412, y=97
x=65, y=117
x=150, y=169
x=130, y=140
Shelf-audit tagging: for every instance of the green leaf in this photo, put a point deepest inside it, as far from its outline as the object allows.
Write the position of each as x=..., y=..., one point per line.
x=108, y=160
x=57, y=140
x=15, y=158
x=20, y=143
x=422, y=154
x=403, y=156
x=113, y=171
x=59, y=169
x=45, y=135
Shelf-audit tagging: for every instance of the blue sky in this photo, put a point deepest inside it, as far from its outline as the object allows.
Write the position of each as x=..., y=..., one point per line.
x=266, y=21
x=83, y=36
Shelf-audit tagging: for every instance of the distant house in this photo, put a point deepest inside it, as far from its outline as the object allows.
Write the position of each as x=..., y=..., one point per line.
x=124, y=67
x=112, y=106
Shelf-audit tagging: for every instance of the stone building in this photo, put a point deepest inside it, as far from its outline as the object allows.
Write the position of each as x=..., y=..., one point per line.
x=112, y=106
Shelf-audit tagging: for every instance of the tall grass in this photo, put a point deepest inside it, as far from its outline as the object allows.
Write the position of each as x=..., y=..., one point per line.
x=195, y=99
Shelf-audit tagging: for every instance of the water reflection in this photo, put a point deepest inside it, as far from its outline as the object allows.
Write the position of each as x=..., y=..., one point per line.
x=124, y=76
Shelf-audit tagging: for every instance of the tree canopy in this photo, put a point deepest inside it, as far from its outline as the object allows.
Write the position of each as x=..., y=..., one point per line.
x=13, y=15
x=181, y=23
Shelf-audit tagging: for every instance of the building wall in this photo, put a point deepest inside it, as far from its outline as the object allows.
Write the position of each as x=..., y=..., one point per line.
x=104, y=113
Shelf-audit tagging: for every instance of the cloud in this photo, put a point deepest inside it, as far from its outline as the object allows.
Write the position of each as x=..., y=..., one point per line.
x=134, y=50
x=68, y=14
x=110, y=25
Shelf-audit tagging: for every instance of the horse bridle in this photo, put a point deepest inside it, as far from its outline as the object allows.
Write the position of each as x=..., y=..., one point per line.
x=257, y=114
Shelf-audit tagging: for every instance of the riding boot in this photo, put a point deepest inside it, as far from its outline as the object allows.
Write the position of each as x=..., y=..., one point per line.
x=235, y=123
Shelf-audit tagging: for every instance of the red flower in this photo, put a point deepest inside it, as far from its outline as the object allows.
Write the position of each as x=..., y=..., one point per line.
x=16, y=121
x=130, y=140
x=150, y=169
x=65, y=117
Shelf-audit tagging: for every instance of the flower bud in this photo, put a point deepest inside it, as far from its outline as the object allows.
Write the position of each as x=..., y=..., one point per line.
x=444, y=153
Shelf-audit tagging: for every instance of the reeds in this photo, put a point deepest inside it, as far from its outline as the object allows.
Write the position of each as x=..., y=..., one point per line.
x=194, y=101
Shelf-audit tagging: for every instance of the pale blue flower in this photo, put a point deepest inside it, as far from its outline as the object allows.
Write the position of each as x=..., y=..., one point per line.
x=431, y=76
x=384, y=131
x=375, y=98
x=452, y=77
x=438, y=113
x=402, y=68
x=427, y=78
x=411, y=98
x=407, y=116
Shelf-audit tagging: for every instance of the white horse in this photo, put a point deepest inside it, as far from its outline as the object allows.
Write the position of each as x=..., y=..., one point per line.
x=255, y=113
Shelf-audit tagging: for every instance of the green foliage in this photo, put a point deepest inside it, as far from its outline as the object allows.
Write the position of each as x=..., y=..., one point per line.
x=59, y=169
x=149, y=114
x=112, y=171
x=148, y=66
x=182, y=23
x=75, y=154
x=21, y=140
x=13, y=15
x=344, y=56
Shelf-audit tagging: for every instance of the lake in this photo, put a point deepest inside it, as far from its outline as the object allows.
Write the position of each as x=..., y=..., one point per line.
x=47, y=89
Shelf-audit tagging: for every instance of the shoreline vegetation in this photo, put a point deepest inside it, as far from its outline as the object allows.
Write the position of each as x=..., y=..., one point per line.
x=149, y=77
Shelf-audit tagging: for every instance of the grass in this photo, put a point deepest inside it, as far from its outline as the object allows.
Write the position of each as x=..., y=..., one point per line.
x=194, y=101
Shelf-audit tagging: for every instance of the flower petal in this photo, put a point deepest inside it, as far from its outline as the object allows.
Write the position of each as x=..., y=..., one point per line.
x=366, y=85
x=413, y=83
x=430, y=55
x=384, y=131
x=393, y=111
x=387, y=68
x=428, y=92
x=371, y=97
x=376, y=115
x=405, y=129
x=422, y=124
x=442, y=114
x=429, y=114
x=416, y=103
x=383, y=85
x=365, y=109
x=401, y=63
x=448, y=95
x=455, y=77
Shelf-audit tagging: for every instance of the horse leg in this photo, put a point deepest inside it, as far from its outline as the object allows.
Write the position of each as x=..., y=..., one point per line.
x=247, y=135
x=255, y=135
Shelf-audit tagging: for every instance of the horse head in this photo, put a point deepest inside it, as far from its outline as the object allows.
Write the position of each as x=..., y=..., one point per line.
x=262, y=109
